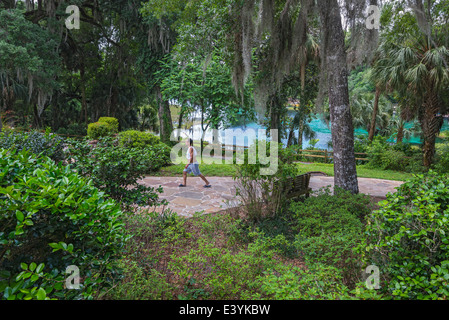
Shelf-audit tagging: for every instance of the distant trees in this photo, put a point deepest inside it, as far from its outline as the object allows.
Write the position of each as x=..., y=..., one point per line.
x=29, y=64
x=76, y=76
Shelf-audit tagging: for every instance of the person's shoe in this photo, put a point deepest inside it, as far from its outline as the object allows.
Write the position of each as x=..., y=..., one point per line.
x=207, y=186
x=182, y=185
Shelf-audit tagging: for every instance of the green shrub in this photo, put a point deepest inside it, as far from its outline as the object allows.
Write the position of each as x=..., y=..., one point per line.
x=394, y=160
x=408, y=239
x=150, y=144
x=398, y=157
x=112, y=121
x=116, y=170
x=318, y=282
x=442, y=158
x=52, y=218
x=73, y=129
x=160, y=155
x=45, y=144
x=361, y=143
x=224, y=273
x=140, y=283
x=258, y=192
x=444, y=135
x=99, y=130
x=137, y=139
x=329, y=230
x=142, y=275
x=382, y=155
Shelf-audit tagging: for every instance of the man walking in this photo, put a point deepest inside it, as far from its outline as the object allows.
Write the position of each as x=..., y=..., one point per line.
x=192, y=166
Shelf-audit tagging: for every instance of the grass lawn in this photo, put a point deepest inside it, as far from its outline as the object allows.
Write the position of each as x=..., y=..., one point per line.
x=228, y=170
x=362, y=171
x=211, y=170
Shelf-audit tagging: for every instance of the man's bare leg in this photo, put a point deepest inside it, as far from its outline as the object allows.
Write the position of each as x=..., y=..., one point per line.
x=204, y=179
x=184, y=176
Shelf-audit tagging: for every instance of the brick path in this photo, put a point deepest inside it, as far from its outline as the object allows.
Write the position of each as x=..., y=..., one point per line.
x=194, y=198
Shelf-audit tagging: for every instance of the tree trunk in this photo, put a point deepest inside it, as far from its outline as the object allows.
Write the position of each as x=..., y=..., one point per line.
x=9, y=99
x=345, y=171
x=202, y=127
x=181, y=115
x=372, y=129
x=83, y=96
x=290, y=136
x=165, y=121
x=37, y=118
x=431, y=125
x=400, y=136
x=300, y=134
x=274, y=112
x=303, y=78
x=9, y=4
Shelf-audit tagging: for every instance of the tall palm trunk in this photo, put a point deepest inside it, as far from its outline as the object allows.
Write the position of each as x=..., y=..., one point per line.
x=345, y=172
x=372, y=129
x=430, y=124
x=301, y=105
x=400, y=136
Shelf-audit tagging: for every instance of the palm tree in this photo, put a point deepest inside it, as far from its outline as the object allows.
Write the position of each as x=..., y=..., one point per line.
x=301, y=121
x=365, y=108
x=399, y=129
x=309, y=52
x=418, y=71
x=372, y=128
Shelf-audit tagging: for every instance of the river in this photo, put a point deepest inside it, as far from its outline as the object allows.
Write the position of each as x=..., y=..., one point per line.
x=323, y=133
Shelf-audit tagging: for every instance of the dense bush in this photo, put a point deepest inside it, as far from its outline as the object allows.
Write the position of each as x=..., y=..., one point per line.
x=150, y=144
x=111, y=121
x=73, y=129
x=399, y=157
x=259, y=191
x=116, y=170
x=361, y=143
x=442, y=158
x=137, y=139
x=329, y=229
x=45, y=144
x=98, y=130
x=319, y=282
x=52, y=218
x=408, y=239
x=224, y=273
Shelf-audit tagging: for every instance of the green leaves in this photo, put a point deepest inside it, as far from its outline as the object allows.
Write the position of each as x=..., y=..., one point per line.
x=408, y=238
x=41, y=294
x=41, y=200
x=36, y=142
x=137, y=139
x=204, y=84
x=114, y=168
x=61, y=246
x=19, y=216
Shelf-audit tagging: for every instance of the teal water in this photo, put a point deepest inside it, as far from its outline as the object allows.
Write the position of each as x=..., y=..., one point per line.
x=324, y=134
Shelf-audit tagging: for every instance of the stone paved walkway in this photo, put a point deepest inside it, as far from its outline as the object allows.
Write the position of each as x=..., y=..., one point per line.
x=194, y=198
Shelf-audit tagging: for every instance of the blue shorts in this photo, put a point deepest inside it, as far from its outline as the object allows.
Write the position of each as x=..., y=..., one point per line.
x=193, y=168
